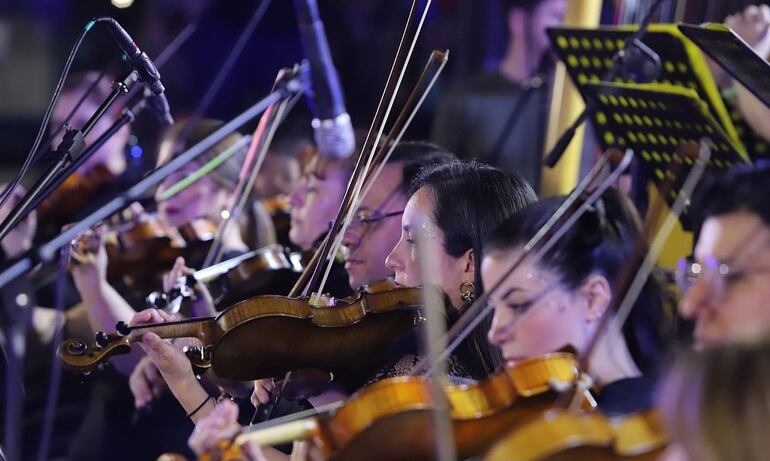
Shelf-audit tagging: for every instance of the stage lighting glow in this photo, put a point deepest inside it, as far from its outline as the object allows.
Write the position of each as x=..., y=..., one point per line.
x=122, y=3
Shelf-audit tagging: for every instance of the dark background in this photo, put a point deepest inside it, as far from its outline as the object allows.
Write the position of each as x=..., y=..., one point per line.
x=37, y=35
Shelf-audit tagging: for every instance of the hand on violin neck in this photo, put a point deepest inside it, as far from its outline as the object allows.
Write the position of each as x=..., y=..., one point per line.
x=168, y=357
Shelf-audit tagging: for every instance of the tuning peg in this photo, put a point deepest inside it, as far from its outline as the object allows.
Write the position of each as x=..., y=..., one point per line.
x=102, y=339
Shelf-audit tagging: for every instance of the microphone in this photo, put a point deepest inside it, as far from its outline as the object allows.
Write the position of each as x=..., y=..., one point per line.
x=332, y=127
x=158, y=104
x=148, y=73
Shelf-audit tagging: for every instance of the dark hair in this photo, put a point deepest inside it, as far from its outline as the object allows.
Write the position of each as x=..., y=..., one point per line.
x=470, y=199
x=225, y=174
x=742, y=188
x=414, y=156
x=600, y=242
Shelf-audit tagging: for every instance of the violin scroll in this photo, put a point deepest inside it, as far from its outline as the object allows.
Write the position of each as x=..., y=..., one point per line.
x=80, y=357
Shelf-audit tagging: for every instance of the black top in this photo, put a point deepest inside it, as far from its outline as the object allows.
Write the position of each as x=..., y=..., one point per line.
x=472, y=121
x=626, y=396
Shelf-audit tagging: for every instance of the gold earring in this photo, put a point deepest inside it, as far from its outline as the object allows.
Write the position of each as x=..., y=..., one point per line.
x=467, y=291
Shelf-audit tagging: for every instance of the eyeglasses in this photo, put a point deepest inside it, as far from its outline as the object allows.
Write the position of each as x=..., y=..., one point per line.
x=717, y=274
x=367, y=217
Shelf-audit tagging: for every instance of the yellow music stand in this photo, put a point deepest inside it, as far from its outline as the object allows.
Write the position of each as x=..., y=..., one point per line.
x=588, y=53
x=655, y=120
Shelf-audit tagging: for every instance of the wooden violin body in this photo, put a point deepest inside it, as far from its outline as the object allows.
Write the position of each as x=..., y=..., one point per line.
x=146, y=248
x=559, y=435
x=268, y=336
x=74, y=194
x=140, y=248
x=399, y=411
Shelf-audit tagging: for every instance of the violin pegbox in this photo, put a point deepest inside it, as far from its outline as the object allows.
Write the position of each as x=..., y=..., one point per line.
x=78, y=356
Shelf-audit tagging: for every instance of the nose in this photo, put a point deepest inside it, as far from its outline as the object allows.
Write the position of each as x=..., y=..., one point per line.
x=393, y=261
x=500, y=329
x=696, y=298
x=296, y=198
x=351, y=239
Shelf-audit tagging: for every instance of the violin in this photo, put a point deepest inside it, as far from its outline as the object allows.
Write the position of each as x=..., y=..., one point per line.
x=272, y=268
x=140, y=247
x=560, y=435
x=399, y=411
x=75, y=193
x=253, y=338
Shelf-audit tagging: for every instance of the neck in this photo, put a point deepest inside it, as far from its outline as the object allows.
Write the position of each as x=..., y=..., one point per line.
x=519, y=63
x=611, y=360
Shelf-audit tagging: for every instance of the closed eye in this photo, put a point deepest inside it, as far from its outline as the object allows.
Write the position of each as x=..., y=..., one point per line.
x=520, y=307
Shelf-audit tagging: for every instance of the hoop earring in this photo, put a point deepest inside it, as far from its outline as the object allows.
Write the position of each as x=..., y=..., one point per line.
x=467, y=291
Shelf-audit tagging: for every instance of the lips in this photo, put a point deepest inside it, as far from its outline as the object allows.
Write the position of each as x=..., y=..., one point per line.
x=350, y=262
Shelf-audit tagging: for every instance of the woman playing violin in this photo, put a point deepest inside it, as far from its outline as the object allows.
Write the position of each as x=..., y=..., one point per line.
x=448, y=195
x=205, y=198
x=557, y=301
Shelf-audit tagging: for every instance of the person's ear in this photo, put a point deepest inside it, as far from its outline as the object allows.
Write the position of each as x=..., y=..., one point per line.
x=597, y=292
x=469, y=264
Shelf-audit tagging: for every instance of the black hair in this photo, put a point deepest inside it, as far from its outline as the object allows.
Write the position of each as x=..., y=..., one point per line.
x=742, y=188
x=600, y=242
x=414, y=156
x=470, y=199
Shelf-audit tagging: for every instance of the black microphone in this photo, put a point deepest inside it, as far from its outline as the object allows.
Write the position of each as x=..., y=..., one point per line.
x=331, y=124
x=158, y=104
x=148, y=73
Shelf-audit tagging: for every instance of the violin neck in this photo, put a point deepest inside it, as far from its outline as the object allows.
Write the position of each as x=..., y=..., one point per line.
x=193, y=328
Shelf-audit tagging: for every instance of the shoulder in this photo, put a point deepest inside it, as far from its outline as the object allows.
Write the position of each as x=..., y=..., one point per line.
x=626, y=396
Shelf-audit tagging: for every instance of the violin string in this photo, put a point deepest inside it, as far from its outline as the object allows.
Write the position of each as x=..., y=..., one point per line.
x=360, y=180
x=319, y=259
x=479, y=309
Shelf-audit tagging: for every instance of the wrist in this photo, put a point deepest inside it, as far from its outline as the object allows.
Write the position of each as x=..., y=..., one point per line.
x=183, y=383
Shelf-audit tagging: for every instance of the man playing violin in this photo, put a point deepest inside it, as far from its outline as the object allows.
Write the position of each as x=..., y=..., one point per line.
x=376, y=227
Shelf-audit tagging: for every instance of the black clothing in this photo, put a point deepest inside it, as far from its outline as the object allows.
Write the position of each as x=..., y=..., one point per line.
x=472, y=121
x=626, y=396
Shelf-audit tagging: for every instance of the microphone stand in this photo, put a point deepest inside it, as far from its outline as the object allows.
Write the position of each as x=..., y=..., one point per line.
x=30, y=202
x=15, y=286
x=72, y=146
x=620, y=58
